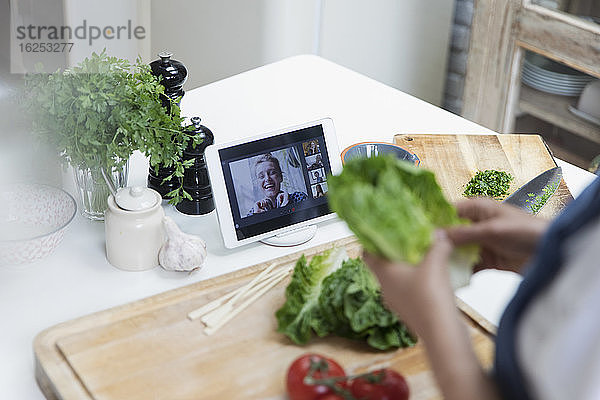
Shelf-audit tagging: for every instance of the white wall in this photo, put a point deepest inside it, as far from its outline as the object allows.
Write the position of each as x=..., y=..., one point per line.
x=290, y=28
x=219, y=38
x=109, y=13
x=214, y=39
x=24, y=13
x=402, y=43
x=22, y=157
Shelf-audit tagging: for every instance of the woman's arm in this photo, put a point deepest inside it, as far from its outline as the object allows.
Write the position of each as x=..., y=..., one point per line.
x=423, y=299
x=454, y=363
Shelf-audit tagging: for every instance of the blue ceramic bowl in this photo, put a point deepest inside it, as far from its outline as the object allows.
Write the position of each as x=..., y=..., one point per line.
x=372, y=149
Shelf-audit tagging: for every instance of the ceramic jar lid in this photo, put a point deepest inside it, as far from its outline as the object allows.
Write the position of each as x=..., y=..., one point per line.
x=136, y=198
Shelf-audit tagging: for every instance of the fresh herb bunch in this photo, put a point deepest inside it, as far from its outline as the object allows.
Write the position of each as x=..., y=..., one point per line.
x=98, y=113
x=489, y=183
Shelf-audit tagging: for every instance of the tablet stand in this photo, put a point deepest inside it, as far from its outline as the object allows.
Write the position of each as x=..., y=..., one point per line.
x=292, y=238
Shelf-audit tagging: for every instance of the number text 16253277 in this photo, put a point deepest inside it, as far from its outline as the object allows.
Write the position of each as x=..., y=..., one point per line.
x=35, y=47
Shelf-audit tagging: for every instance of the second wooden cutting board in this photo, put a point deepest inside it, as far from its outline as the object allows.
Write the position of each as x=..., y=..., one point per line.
x=456, y=158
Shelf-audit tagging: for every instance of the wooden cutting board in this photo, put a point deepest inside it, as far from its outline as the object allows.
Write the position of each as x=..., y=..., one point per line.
x=456, y=158
x=150, y=350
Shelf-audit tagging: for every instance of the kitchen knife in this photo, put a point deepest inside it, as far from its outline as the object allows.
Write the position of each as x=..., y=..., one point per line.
x=532, y=196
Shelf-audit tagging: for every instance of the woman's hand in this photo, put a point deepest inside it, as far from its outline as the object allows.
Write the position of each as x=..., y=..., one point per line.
x=262, y=205
x=282, y=199
x=418, y=294
x=507, y=235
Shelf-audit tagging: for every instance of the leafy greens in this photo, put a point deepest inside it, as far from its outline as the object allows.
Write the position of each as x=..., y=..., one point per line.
x=393, y=208
x=340, y=296
x=99, y=112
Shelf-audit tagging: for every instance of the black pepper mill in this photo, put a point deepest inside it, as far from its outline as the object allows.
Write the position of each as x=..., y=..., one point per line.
x=172, y=75
x=195, y=178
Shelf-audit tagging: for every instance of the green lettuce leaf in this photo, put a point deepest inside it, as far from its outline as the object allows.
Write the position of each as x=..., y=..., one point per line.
x=350, y=300
x=393, y=208
x=301, y=312
x=340, y=296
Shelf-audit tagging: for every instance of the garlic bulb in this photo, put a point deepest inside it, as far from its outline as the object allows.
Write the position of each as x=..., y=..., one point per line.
x=181, y=252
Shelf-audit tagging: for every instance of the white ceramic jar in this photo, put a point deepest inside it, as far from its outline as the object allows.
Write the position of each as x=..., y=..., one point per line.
x=134, y=232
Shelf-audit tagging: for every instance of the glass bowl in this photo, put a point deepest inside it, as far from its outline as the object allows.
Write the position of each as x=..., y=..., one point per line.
x=33, y=218
x=372, y=149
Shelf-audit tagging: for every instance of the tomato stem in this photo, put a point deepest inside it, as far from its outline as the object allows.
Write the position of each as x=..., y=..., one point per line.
x=332, y=383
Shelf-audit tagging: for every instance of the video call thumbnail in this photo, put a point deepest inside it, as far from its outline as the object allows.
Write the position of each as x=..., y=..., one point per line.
x=315, y=161
x=316, y=176
x=311, y=147
x=319, y=190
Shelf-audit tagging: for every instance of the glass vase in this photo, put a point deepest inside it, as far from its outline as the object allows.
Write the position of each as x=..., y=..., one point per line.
x=93, y=190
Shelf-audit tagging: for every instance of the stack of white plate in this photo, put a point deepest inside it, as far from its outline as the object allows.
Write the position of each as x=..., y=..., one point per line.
x=550, y=76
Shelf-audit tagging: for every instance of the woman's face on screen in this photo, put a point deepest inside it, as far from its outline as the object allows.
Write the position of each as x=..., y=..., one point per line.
x=269, y=178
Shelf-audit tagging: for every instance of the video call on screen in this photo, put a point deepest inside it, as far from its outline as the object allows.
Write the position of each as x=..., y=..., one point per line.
x=278, y=181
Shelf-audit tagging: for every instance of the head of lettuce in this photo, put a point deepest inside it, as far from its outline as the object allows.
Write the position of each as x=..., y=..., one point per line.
x=393, y=208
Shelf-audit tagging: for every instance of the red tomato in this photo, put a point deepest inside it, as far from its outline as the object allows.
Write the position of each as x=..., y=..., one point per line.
x=390, y=386
x=331, y=397
x=323, y=367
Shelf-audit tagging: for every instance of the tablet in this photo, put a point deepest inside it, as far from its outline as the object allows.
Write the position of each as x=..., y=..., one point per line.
x=269, y=186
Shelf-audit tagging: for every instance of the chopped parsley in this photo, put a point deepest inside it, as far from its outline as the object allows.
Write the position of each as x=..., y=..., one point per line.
x=489, y=183
x=537, y=202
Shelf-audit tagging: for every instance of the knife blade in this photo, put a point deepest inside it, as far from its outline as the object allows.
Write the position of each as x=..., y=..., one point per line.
x=533, y=195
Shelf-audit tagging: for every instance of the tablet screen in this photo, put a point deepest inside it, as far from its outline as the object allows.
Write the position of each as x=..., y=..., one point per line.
x=276, y=181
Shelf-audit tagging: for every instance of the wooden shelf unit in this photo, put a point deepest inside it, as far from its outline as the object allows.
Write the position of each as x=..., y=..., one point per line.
x=501, y=33
x=555, y=109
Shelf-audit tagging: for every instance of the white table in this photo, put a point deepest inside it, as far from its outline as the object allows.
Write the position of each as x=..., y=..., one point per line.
x=77, y=280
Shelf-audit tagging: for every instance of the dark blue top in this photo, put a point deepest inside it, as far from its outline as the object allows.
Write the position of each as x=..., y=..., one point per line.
x=548, y=261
